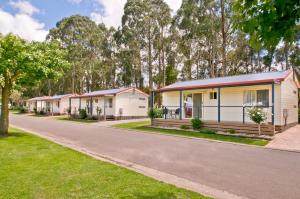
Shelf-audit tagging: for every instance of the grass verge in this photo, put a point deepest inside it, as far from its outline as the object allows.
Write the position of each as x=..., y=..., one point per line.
x=32, y=167
x=67, y=118
x=144, y=126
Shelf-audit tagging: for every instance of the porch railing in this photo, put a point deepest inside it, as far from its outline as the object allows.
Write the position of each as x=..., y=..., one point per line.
x=227, y=113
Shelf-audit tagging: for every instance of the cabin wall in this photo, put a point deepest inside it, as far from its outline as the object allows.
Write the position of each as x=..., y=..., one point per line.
x=131, y=104
x=289, y=100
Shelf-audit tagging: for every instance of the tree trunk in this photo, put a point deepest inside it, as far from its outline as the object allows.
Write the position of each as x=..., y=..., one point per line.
x=4, y=119
x=150, y=61
x=223, y=73
x=286, y=55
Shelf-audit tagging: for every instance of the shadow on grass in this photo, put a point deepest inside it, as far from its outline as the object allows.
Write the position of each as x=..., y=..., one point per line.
x=160, y=195
x=13, y=134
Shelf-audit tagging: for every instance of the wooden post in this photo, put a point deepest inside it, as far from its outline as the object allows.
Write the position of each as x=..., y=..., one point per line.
x=152, y=99
x=219, y=104
x=243, y=114
x=79, y=103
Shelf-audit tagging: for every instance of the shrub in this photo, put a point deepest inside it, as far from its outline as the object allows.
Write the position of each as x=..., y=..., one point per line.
x=231, y=131
x=299, y=115
x=258, y=116
x=23, y=110
x=184, y=127
x=35, y=110
x=155, y=113
x=82, y=114
x=42, y=112
x=196, y=123
x=89, y=117
x=208, y=131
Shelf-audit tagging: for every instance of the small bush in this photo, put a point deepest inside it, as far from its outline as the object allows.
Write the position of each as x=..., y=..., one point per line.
x=231, y=131
x=35, y=110
x=89, y=117
x=42, y=112
x=184, y=127
x=82, y=114
x=155, y=113
x=208, y=131
x=196, y=123
x=23, y=110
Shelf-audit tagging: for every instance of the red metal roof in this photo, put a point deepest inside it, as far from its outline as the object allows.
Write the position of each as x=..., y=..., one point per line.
x=248, y=79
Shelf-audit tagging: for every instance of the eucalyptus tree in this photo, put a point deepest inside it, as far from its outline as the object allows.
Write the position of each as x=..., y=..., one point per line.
x=145, y=22
x=23, y=64
x=83, y=39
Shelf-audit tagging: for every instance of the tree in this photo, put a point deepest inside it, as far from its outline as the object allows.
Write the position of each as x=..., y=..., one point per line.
x=23, y=64
x=268, y=22
x=83, y=39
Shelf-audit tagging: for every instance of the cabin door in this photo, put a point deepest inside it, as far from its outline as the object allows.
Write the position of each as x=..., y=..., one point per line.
x=197, y=105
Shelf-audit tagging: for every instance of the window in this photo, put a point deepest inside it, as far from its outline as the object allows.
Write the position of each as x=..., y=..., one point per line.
x=263, y=97
x=142, y=98
x=213, y=95
x=142, y=106
x=249, y=98
x=110, y=103
x=96, y=100
x=256, y=97
x=57, y=104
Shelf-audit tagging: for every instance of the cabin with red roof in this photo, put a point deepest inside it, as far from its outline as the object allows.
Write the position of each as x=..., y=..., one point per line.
x=116, y=104
x=222, y=103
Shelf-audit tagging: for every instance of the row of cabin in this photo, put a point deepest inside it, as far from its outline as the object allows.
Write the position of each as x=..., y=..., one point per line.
x=121, y=103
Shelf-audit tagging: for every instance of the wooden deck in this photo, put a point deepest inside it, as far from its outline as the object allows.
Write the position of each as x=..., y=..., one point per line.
x=239, y=127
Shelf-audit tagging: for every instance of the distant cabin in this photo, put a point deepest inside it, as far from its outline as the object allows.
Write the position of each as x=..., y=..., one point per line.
x=116, y=104
x=222, y=103
x=51, y=105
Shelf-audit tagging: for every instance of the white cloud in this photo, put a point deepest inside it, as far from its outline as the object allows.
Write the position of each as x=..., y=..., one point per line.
x=23, y=25
x=75, y=1
x=24, y=7
x=113, y=11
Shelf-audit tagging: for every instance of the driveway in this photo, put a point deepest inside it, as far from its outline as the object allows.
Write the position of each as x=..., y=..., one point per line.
x=245, y=171
x=287, y=140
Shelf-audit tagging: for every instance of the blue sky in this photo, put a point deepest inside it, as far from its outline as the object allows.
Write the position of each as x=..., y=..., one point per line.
x=32, y=19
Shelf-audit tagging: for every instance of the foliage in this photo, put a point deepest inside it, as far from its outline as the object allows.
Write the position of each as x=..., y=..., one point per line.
x=42, y=112
x=155, y=113
x=257, y=115
x=268, y=22
x=24, y=64
x=232, y=131
x=82, y=114
x=99, y=110
x=196, y=123
x=184, y=127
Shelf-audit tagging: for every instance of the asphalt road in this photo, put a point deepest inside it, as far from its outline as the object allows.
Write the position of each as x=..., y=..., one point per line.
x=242, y=170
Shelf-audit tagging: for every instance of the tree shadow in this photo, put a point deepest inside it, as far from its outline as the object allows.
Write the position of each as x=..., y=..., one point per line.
x=12, y=134
x=160, y=195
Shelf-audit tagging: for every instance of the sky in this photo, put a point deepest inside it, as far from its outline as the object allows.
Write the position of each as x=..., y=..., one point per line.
x=32, y=19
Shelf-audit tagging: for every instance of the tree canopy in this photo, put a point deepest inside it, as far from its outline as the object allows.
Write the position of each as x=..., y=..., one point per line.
x=24, y=64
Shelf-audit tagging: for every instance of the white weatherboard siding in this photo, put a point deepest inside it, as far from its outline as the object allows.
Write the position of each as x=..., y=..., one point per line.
x=230, y=96
x=75, y=105
x=132, y=103
x=289, y=100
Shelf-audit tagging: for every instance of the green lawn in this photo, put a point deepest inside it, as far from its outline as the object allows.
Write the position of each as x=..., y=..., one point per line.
x=143, y=126
x=31, y=167
x=67, y=118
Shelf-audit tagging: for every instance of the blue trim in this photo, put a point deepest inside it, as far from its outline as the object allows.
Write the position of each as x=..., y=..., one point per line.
x=219, y=104
x=180, y=105
x=273, y=103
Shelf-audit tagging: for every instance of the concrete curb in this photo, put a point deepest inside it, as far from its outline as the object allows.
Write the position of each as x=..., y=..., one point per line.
x=153, y=173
